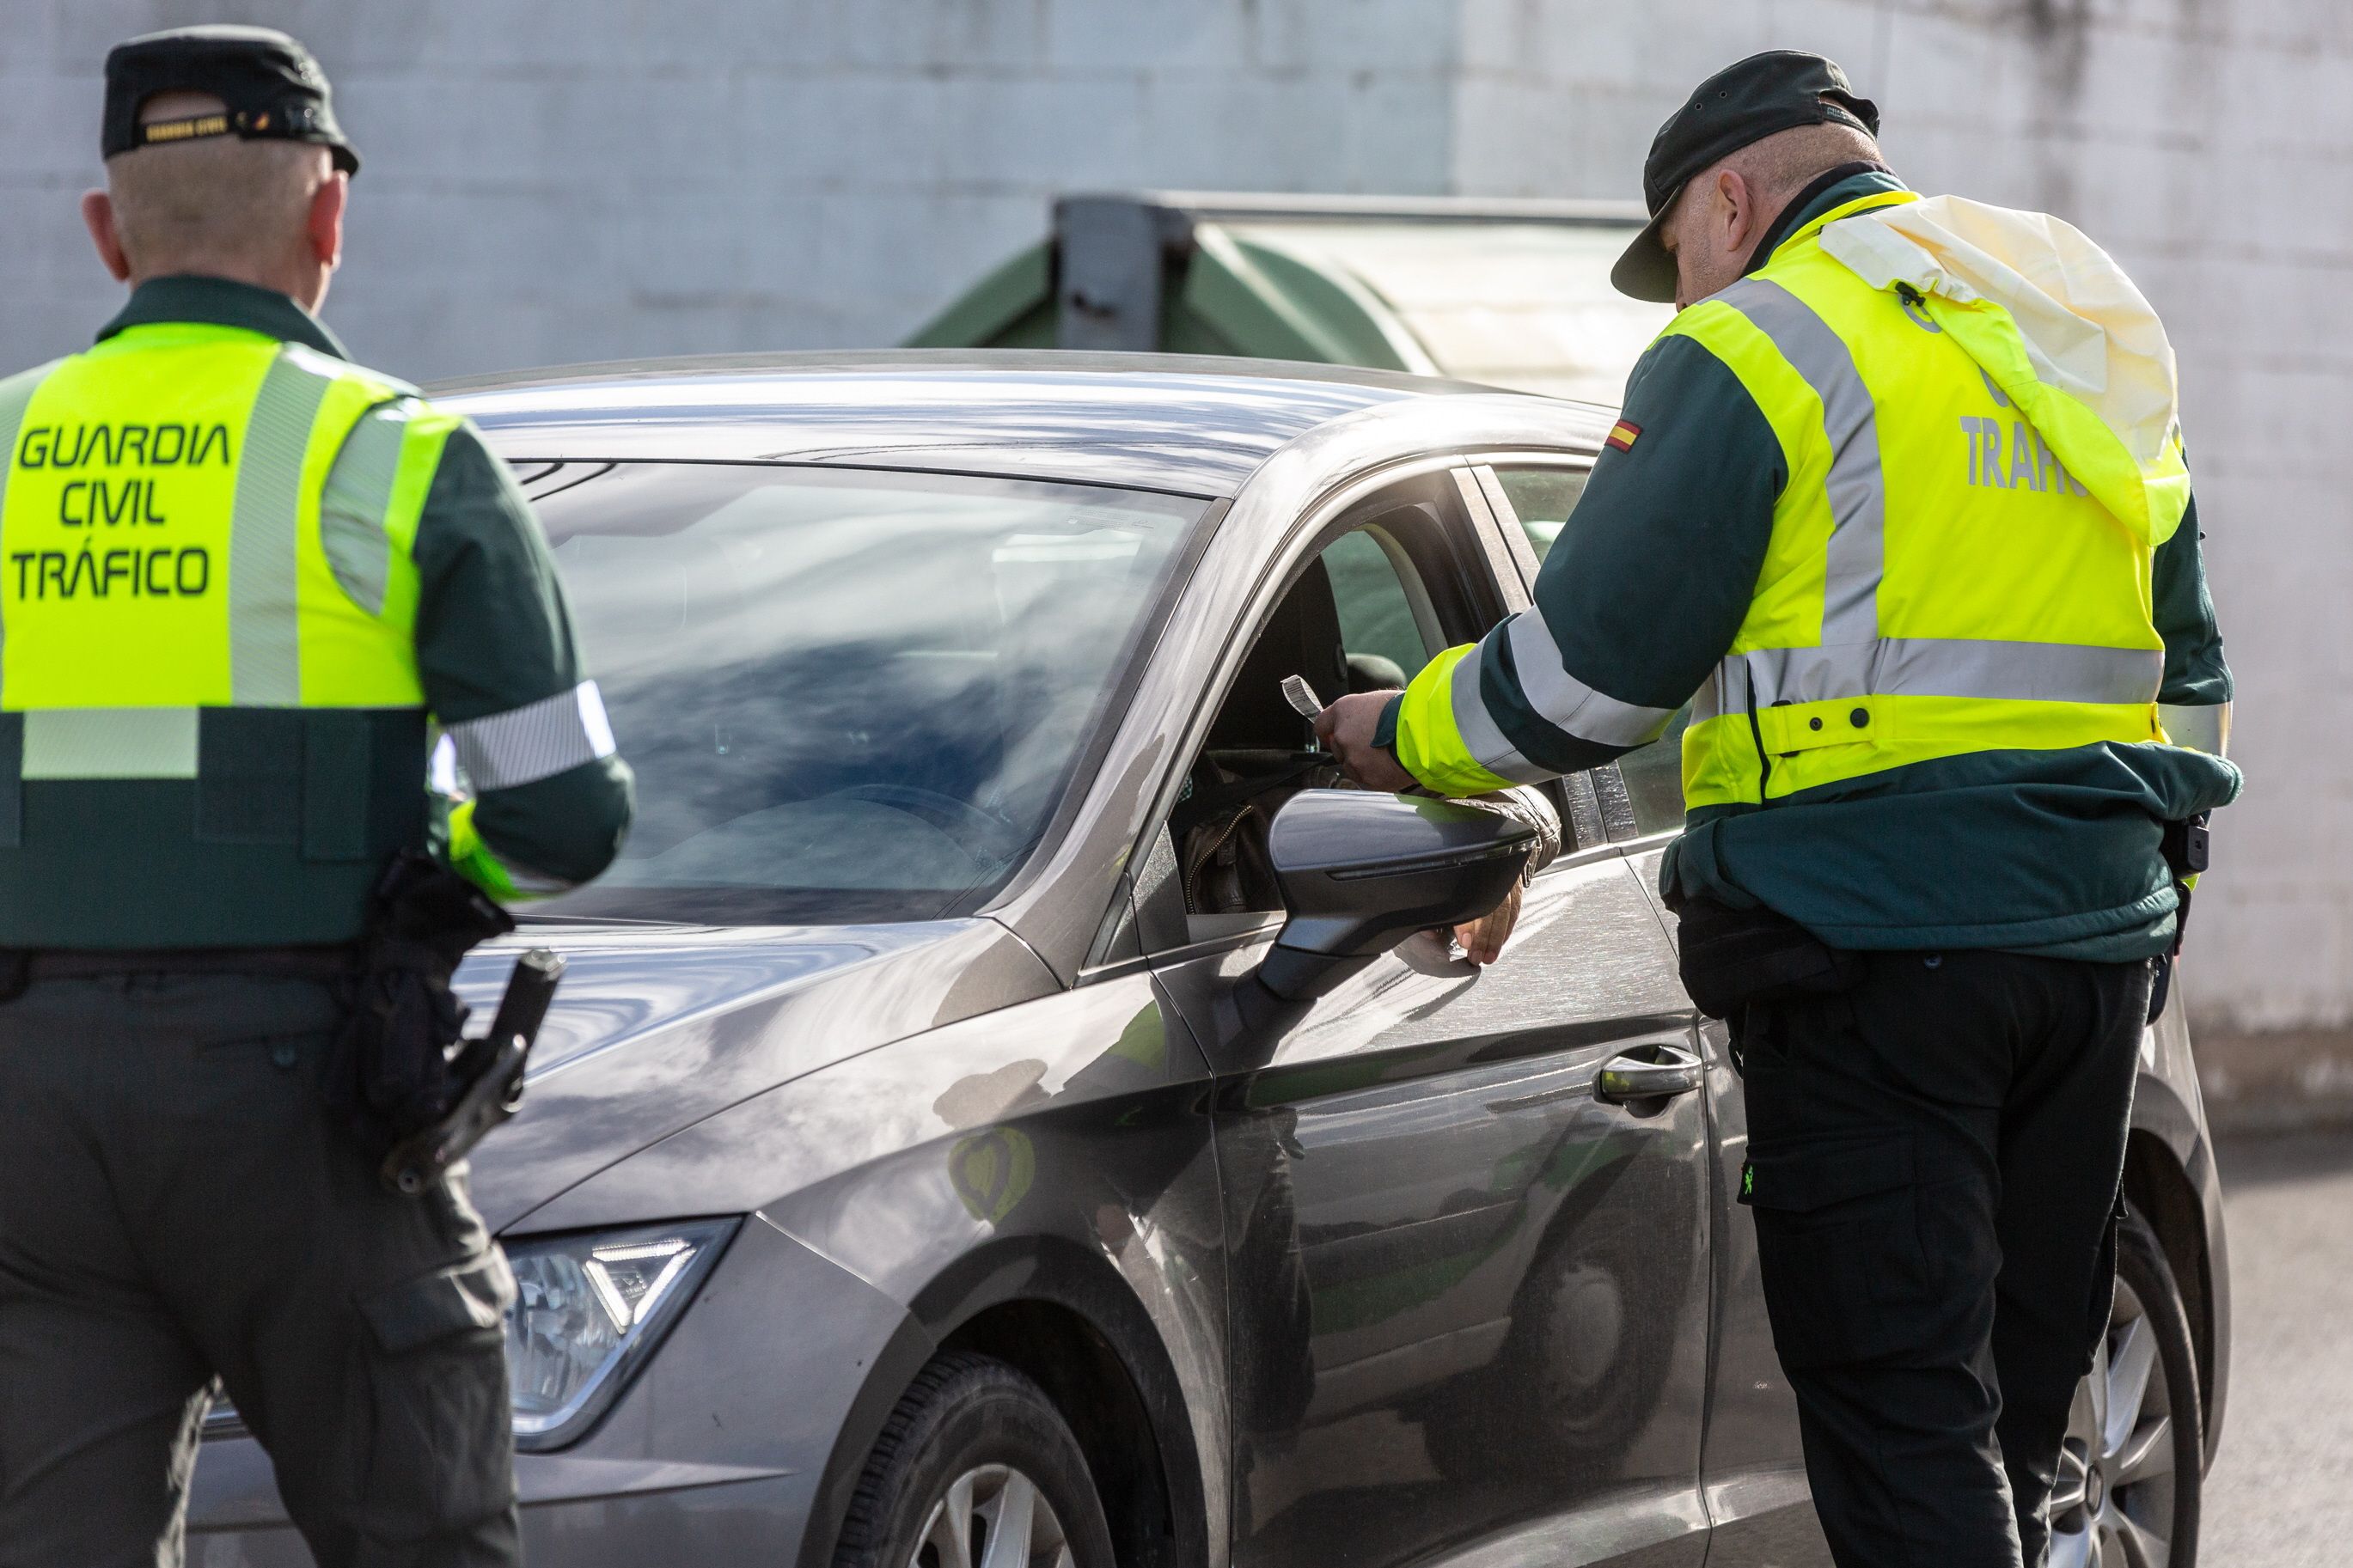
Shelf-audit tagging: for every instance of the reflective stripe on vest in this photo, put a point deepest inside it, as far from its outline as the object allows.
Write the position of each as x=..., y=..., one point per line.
x=1918, y=598
x=197, y=517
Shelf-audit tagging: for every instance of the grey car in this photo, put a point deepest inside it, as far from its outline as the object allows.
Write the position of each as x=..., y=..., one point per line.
x=921, y=1167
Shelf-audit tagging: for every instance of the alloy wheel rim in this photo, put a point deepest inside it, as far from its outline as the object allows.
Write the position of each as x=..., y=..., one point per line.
x=2113, y=1504
x=992, y=1517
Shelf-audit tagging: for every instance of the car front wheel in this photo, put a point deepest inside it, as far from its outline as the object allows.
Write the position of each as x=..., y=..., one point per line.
x=2130, y=1472
x=974, y=1468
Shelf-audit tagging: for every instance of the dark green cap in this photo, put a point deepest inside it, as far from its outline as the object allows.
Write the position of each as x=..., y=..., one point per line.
x=274, y=89
x=1776, y=90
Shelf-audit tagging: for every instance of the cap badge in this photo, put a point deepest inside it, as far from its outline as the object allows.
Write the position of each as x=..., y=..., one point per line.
x=184, y=129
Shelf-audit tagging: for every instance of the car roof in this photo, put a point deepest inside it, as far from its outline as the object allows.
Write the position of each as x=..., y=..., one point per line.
x=1186, y=422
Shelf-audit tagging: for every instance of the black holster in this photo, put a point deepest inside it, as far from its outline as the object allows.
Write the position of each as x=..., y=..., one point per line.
x=389, y=1075
x=1731, y=958
x=2189, y=849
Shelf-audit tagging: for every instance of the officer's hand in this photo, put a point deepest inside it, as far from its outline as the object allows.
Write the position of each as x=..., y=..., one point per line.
x=1346, y=729
x=1483, y=939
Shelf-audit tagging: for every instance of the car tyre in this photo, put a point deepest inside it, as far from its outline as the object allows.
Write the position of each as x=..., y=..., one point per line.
x=973, y=1450
x=2131, y=1471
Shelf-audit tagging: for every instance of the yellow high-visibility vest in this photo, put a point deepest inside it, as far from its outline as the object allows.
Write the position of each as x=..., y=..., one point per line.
x=1961, y=554
x=205, y=575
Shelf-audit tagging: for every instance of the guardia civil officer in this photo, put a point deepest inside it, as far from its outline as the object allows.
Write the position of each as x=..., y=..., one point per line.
x=238, y=574
x=1899, y=493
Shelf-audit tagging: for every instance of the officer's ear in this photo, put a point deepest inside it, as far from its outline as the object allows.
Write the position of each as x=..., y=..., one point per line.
x=324, y=229
x=1738, y=207
x=98, y=216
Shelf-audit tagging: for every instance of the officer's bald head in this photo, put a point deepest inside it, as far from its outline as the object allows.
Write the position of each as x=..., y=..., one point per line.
x=1780, y=165
x=220, y=206
x=1723, y=211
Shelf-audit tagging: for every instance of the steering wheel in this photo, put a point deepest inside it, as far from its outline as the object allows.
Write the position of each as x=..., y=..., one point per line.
x=981, y=834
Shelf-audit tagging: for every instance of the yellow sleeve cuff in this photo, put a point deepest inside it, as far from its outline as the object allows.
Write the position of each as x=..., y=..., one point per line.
x=1430, y=743
x=473, y=859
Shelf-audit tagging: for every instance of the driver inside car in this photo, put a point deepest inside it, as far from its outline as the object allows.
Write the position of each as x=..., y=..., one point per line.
x=1261, y=752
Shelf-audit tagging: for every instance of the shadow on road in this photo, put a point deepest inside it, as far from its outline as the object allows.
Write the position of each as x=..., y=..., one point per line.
x=2268, y=1159
x=2278, y=1495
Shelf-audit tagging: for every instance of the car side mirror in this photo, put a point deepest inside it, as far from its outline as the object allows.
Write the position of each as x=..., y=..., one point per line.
x=1361, y=872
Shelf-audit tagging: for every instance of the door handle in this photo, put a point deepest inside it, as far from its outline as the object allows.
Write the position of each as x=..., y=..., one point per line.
x=1661, y=1074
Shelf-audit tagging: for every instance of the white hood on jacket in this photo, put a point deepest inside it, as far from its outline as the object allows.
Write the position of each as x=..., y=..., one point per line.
x=2087, y=330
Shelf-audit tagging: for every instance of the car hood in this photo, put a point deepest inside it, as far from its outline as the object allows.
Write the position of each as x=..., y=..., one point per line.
x=654, y=1028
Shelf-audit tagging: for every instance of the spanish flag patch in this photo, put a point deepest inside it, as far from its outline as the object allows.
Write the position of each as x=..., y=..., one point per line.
x=1622, y=434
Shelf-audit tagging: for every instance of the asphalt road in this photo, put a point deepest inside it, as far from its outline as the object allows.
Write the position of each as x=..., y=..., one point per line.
x=2281, y=1493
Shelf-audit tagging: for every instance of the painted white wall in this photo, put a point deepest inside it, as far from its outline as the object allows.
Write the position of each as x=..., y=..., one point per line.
x=560, y=180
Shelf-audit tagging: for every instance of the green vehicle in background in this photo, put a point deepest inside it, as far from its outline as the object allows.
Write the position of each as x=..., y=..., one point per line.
x=1512, y=293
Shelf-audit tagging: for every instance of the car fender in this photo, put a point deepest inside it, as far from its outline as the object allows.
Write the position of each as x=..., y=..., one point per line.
x=945, y=1170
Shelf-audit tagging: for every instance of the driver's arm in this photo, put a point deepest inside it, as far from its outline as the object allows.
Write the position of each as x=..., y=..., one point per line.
x=1642, y=595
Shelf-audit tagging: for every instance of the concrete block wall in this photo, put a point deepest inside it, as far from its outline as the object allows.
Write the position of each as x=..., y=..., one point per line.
x=560, y=180
x=557, y=180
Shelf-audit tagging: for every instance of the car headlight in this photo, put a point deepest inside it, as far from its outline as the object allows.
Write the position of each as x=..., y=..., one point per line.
x=588, y=1310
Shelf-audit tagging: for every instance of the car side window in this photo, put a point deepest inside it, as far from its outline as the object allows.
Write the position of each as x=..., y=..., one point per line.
x=1347, y=623
x=1379, y=631
x=1543, y=499
x=1404, y=578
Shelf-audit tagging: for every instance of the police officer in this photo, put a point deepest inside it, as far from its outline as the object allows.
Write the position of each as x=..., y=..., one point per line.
x=1899, y=493
x=238, y=574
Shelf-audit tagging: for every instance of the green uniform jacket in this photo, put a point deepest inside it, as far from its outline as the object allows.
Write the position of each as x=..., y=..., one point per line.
x=493, y=634
x=2054, y=853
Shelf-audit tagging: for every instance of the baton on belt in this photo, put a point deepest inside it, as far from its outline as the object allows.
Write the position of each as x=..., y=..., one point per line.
x=490, y=1069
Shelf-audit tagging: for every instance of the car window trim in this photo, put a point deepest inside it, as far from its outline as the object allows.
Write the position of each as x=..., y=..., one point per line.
x=1512, y=579
x=1499, y=500
x=1088, y=760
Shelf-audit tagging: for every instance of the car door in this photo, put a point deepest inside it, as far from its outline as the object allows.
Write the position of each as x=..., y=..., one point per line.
x=1467, y=1300
x=1752, y=1466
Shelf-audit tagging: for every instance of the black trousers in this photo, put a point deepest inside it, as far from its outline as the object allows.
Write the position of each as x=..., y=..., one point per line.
x=175, y=1205
x=1935, y=1160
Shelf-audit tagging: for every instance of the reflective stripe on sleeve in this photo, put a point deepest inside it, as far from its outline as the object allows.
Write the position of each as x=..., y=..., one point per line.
x=1567, y=704
x=537, y=740
x=1430, y=743
x=2204, y=728
x=1481, y=736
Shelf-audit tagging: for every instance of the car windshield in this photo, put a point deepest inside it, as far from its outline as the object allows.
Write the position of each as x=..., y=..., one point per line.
x=848, y=696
